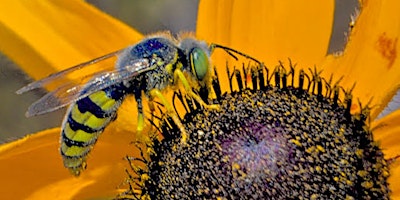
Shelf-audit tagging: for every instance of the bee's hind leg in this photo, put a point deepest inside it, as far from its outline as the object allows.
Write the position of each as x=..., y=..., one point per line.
x=171, y=113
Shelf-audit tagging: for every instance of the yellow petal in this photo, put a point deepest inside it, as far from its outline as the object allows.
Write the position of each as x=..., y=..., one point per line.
x=269, y=30
x=370, y=58
x=386, y=133
x=32, y=167
x=394, y=180
x=46, y=36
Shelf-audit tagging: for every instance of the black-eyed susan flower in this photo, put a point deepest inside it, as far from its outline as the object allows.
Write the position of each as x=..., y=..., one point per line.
x=269, y=31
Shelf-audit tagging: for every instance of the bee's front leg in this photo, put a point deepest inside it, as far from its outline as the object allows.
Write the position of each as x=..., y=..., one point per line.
x=171, y=113
x=178, y=74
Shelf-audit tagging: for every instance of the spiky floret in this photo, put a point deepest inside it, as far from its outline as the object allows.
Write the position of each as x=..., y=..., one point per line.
x=270, y=140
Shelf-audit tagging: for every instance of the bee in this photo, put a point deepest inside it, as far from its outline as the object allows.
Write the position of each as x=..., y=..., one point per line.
x=147, y=68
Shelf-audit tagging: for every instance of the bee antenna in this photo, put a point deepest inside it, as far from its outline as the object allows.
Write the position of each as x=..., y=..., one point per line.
x=230, y=51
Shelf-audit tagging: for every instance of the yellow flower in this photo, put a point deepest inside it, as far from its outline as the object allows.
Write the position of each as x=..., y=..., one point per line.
x=43, y=37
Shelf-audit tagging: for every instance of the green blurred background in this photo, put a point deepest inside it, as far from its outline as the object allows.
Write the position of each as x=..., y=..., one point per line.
x=147, y=16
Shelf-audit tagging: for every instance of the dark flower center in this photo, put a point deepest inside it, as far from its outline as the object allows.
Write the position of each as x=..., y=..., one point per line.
x=268, y=141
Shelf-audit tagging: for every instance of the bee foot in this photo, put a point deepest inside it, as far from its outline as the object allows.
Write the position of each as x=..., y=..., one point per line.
x=141, y=137
x=212, y=107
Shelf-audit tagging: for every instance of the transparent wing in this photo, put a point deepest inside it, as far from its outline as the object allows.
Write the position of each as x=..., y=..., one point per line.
x=74, y=91
x=61, y=74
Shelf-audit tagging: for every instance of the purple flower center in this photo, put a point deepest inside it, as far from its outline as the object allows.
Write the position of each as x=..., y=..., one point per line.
x=257, y=150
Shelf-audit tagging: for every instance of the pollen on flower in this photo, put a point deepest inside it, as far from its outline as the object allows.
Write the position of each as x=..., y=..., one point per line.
x=271, y=139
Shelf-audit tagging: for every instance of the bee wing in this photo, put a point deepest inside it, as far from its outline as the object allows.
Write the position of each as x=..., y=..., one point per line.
x=61, y=74
x=72, y=92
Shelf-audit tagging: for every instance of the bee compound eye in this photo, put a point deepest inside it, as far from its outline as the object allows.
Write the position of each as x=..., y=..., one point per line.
x=199, y=62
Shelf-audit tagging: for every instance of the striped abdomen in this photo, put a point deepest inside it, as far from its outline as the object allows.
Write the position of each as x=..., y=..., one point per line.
x=84, y=122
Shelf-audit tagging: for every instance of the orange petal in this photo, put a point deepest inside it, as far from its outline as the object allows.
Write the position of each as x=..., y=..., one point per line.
x=269, y=30
x=370, y=58
x=46, y=36
x=386, y=133
x=394, y=180
x=266, y=30
x=33, y=167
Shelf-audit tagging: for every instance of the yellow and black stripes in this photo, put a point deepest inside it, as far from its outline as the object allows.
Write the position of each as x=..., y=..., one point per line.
x=84, y=122
x=165, y=64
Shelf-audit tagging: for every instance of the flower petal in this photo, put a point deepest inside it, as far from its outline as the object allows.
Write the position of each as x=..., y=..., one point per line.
x=386, y=133
x=370, y=58
x=46, y=36
x=33, y=167
x=269, y=30
x=394, y=180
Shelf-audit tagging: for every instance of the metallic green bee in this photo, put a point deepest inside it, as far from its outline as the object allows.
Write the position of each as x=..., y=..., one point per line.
x=148, y=67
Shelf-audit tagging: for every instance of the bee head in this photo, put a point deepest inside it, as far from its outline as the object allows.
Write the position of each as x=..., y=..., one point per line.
x=198, y=57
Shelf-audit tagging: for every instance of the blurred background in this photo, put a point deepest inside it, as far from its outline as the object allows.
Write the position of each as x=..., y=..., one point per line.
x=147, y=16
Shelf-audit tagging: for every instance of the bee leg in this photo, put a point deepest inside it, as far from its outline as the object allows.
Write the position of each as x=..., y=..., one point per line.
x=152, y=110
x=171, y=112
x=178, y=74
x=140, y=123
